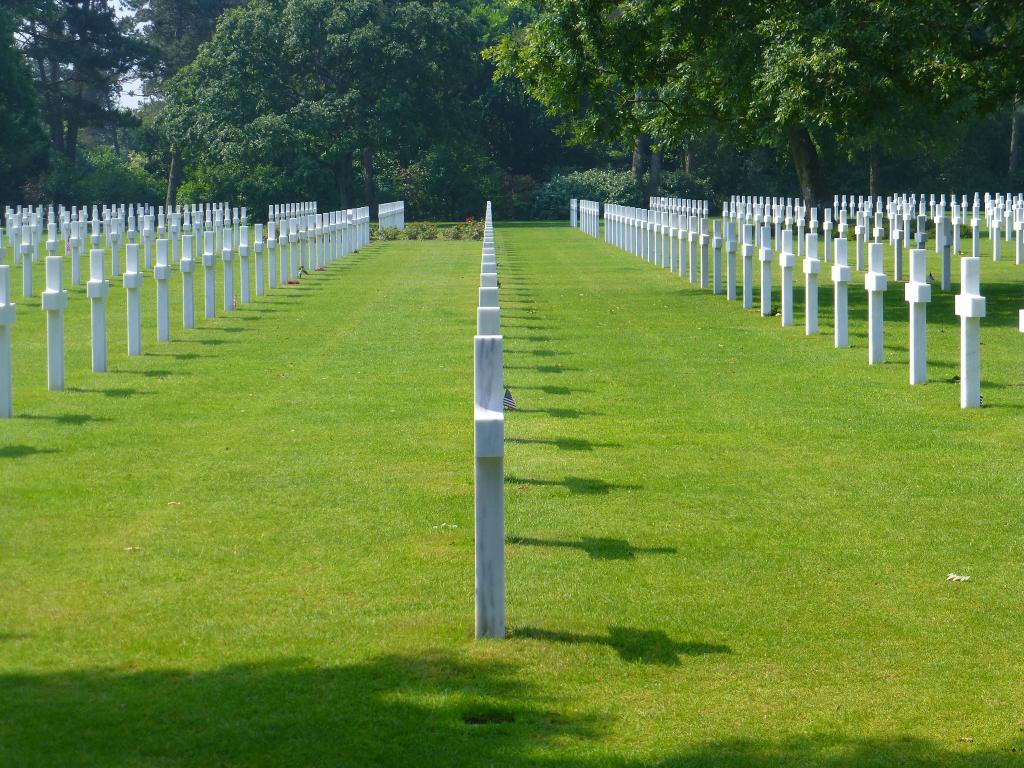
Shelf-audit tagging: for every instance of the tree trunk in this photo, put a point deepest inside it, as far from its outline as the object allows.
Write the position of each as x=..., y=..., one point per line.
x=369, y=181
x=655, y=178
x=173, y=178
x=874, y=168
x=688, y=159
x=1015, y=138
x=641, y=155
x=343, y=180
x=809, y=169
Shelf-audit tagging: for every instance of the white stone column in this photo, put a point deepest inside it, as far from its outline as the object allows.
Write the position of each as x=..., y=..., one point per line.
x=293, y=249
x=227, y=255
x=54, y=302
x=765, y=257
x=489, y=484
x=918, y=293
x=187, y=265
x=875, y=282
x=812, y=266
x=947, y=279
x=243, y=261
x=258, y=249
x=859, y=234
x=76, y=253
x=7, y=314
x=97, y=291
x=841, y=283
x=272, y=254
x=730, y=261
x=691, y=241
x=132, y=281
x=716, y=258
x=970, y=306
x=162, y=274
x=787, y=261
x=147, y=240
x=209, y=275
x=26, y=261
x=748, y=265
x=702, y=245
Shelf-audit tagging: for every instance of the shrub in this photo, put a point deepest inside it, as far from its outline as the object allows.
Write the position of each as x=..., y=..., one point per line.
x=551, y=200
x=385, y=233
x=420, y=230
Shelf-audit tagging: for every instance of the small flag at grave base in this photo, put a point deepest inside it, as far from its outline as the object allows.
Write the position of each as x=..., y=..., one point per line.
x=510, y=404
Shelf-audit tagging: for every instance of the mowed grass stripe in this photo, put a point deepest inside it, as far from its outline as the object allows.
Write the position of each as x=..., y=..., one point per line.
x=814, y=504
x=727, y=542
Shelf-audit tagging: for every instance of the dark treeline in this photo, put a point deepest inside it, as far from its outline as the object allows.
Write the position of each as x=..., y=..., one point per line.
x=445, y=103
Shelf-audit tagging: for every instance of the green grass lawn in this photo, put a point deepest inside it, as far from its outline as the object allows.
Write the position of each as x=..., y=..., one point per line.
x=728, y=543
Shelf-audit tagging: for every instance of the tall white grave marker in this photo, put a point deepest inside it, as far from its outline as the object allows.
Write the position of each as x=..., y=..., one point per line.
x=187, y=265
x=227, y=255
x=162, y=274
x=7, y=312
x=54, y=302
x=748, y=266
x=970, y=306
x=812, y=266
x=766, y=271
x=243, y=260
x=26, y=260
x=97, y=290
x=918, y=293
x=209, y=276
x=258, y=250
x=489, y=497
x=787, y=260
x=133, y=286
x=272, y=254
x=875, y=282
x=841, y=285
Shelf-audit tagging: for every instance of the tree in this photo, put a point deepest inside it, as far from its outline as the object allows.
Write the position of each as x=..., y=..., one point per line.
x=78, y=52
x=310, y=89
x=22, y=141
x=759, y=73
x=174, y=30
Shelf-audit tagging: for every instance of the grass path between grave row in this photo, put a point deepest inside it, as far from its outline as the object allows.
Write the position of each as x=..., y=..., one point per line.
x=728, y=543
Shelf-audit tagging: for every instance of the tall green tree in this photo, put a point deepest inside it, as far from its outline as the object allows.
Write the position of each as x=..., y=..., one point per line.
x=79, y=52
x=22, y=140
x=782, y=71
x=174, y=30
x=311, y=90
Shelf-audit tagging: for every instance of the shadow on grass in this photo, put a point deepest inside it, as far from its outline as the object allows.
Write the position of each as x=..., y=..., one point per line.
x=542, y=368
x=551, y=389
x=213, y=342
x=73, y=419
x=597, y=549
x=21, y=451
x=559, y=413
x=646, y=646
x=108, y=392
x=582, y=485
x=178, y=355
x=431, y=709
x=565, y=443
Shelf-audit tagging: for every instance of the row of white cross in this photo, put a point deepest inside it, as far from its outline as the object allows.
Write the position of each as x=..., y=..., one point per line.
x=391, y=214
x=295, y=242
x=117, y=229
x=489, y=448
x=682, y=241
